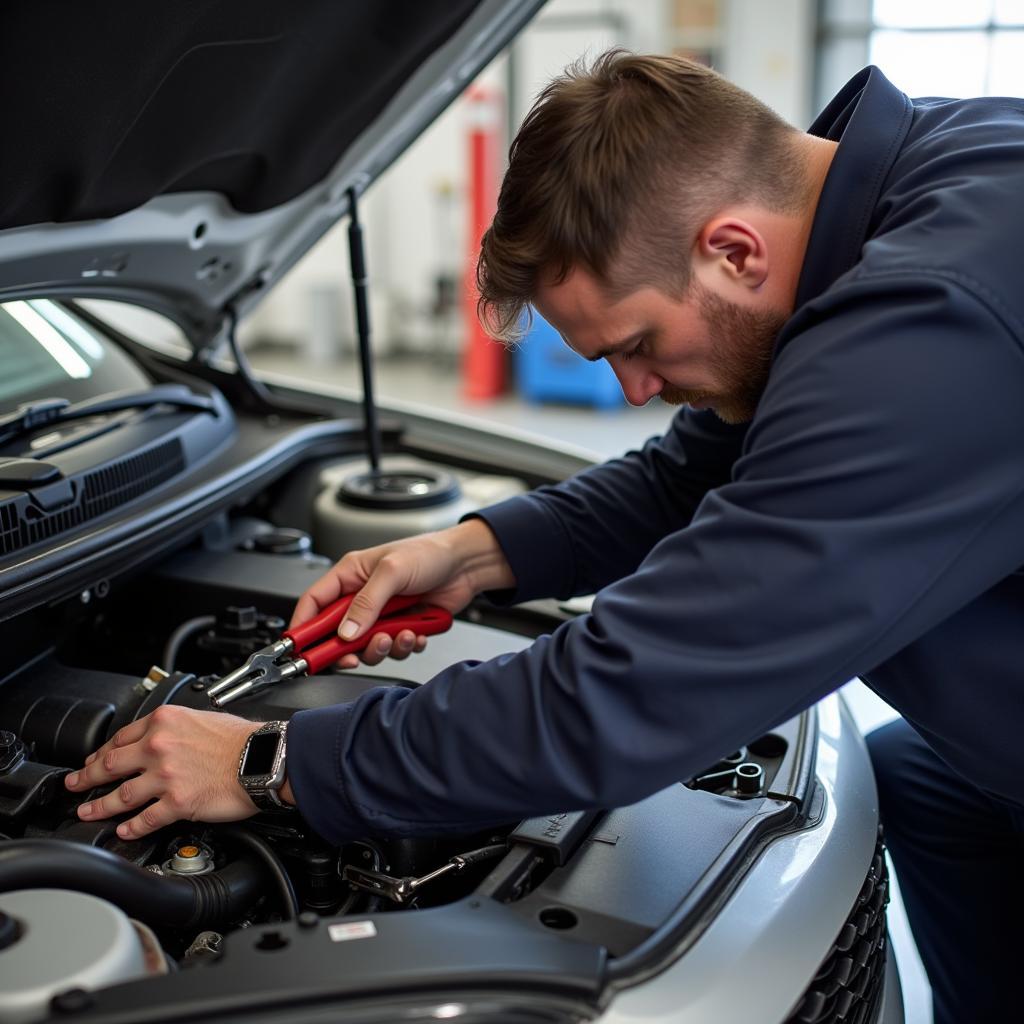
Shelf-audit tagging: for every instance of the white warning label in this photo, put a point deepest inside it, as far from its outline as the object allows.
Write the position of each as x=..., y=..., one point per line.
x=352, y=930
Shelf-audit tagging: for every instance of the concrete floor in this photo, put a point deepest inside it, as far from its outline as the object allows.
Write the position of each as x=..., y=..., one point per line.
x=436, y=383
x=605, y=433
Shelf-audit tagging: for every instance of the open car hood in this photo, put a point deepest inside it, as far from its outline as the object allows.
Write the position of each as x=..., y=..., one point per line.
x=183, y=156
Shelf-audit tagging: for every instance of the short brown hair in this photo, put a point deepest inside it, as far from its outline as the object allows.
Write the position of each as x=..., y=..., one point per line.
x=615, y=166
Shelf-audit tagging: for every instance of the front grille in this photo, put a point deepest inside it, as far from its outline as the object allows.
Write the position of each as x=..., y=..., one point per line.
x=848, y=985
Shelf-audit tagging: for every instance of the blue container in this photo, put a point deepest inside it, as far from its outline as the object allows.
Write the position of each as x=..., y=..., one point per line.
x=547, y=370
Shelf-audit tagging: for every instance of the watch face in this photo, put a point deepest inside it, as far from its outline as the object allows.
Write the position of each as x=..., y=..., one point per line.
x=259, y=759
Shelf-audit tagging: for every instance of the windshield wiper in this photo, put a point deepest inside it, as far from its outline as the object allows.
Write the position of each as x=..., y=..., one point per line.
x=48, y=411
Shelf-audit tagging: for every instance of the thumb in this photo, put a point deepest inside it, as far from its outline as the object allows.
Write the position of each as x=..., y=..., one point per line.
x=367, y=605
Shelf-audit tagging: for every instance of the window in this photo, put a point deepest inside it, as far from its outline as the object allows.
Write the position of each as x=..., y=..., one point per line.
x=926, y=47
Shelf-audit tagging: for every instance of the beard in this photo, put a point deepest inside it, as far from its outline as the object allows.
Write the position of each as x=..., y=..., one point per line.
x=745, y=339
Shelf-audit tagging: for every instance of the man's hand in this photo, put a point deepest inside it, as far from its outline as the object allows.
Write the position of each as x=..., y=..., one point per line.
x=449, y=567
x=184, y=760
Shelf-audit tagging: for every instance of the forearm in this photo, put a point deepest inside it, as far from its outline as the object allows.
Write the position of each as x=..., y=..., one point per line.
x=598, y=526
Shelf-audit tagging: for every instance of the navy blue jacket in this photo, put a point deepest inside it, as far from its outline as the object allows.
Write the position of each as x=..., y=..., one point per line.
x=869, y=521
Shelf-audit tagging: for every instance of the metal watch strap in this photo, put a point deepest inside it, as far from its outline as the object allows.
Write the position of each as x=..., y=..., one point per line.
x=266, y=799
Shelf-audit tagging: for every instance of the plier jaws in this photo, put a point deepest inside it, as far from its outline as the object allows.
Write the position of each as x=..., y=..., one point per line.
x=294, y=654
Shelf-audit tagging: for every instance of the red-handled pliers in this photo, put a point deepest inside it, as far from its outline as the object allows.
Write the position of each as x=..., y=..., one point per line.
x=294, y=655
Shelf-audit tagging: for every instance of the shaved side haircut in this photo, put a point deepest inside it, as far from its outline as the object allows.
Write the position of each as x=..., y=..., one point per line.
x=617, y=167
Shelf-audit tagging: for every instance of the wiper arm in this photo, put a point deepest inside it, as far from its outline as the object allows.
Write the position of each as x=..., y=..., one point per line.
x=47, y=411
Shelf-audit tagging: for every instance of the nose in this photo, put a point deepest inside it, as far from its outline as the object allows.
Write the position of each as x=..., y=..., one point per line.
x=638, y=384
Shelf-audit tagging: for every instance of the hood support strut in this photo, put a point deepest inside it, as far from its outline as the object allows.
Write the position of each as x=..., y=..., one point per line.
x=357, y=258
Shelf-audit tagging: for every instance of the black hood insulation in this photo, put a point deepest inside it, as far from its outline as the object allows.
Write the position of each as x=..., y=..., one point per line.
x=109, y=105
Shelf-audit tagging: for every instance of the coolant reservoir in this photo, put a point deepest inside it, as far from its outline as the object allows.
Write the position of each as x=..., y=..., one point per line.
x=55, y=940
x=356, y=510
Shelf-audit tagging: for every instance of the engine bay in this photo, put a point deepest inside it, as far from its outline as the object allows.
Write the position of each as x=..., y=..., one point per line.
x=566, y=891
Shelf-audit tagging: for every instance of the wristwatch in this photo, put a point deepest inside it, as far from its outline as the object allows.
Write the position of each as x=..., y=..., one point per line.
x=261, y=766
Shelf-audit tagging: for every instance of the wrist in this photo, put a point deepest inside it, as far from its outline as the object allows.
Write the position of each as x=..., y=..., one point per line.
x=482, y=560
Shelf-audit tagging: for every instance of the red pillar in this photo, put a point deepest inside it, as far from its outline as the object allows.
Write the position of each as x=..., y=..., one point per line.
x=483, y=359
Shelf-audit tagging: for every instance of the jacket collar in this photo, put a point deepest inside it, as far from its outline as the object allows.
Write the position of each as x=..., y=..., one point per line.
x=869, y=117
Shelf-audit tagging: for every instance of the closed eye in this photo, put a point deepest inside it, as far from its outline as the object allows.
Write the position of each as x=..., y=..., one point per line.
x=637, y=350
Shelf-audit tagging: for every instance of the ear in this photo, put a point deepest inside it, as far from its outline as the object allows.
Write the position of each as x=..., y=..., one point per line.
x=736, y=248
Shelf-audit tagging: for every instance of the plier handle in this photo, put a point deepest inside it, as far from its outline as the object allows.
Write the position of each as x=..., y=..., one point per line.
x=295, y=655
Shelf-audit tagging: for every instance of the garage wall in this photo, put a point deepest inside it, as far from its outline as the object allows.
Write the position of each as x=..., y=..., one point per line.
x=415, y=220
x=768, y=49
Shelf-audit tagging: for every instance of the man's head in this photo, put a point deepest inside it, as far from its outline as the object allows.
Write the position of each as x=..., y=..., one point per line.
x=656, y=214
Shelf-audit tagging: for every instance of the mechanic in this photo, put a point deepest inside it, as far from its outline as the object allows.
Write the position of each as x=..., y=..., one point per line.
x=840, y=313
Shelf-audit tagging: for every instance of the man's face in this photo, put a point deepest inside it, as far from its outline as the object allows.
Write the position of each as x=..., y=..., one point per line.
x=703, y=350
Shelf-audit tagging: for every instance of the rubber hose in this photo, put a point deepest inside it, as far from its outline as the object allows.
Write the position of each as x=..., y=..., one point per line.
x=200, y=901
x=173, y=646
x=262, y=849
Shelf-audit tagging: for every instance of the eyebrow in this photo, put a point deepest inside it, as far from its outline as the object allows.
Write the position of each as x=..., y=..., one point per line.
x=617, y=346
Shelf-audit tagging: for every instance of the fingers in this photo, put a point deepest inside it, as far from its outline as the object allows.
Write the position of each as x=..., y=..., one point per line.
x=155, y=816
x=406, y=643
x=132, y=793
x=326, y=589
x=375, y=651
x=118, y=757
x=387, y=579
x=305, y=609
x=381, y=646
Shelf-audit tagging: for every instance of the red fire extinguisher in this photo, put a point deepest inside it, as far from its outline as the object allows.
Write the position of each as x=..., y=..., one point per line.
x=483, y=363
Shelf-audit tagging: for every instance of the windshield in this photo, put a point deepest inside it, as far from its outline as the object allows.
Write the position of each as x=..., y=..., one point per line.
x=47, y=352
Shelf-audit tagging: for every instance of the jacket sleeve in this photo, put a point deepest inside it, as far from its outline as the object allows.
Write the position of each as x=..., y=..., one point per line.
x=879, y=491
x=596, y=527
